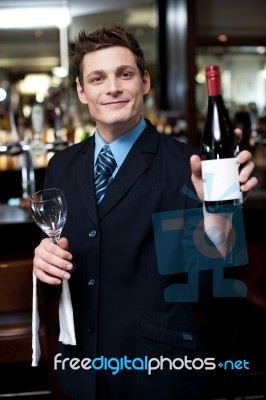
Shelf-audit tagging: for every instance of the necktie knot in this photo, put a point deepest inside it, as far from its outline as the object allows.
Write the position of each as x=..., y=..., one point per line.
x=105, y=166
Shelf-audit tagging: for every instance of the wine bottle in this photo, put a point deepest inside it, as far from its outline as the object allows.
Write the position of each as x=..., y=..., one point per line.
x=219, y=147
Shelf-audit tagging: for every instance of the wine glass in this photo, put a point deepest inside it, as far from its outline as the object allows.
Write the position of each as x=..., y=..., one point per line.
x=49, y=211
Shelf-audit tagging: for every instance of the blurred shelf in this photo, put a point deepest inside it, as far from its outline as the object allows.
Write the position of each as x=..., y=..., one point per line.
x=256, y=200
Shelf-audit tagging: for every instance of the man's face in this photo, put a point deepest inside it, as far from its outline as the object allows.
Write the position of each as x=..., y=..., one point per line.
x=113, y=89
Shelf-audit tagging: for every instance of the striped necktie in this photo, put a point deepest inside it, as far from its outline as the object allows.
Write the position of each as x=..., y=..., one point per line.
x=105, y=166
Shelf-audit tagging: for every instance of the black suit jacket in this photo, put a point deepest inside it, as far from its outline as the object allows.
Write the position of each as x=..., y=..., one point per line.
x=116, y=288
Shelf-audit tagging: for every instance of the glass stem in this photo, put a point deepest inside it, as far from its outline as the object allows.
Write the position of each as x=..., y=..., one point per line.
x=55, y=239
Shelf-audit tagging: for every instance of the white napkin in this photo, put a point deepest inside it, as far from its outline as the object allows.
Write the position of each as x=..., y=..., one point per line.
x=66, y=321
x=36, y=348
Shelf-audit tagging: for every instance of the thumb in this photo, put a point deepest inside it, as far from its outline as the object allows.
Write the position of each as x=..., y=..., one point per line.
x=63, y=243
x=196, y=176
x=195, y=163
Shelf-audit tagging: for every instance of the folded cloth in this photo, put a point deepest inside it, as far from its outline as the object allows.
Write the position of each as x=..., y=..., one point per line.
x=66, y=321
x=36, y=348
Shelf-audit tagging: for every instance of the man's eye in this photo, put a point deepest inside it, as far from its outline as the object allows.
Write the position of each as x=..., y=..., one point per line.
x=96, y=79
x=126, y=75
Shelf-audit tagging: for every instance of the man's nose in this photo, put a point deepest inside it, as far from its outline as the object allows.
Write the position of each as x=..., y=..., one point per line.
x=113, y=85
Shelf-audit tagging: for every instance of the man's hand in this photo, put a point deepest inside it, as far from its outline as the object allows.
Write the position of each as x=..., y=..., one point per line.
x=52, y=262
x=247, y=182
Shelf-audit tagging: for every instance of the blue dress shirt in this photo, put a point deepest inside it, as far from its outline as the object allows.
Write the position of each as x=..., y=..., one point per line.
x=121, y=146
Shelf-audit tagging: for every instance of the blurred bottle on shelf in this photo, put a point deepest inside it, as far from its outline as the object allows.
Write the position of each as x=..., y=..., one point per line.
x=180, y=130
x=243, y=122
x=37, y=146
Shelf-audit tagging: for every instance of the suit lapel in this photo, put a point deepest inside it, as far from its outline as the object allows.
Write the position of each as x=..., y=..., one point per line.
x=85, y=180
x=133, y=167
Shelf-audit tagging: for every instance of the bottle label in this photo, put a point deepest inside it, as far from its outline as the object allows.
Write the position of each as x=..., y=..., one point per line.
x=220, y=179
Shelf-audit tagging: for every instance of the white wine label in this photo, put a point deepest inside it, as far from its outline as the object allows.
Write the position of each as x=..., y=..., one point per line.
x=220, y=179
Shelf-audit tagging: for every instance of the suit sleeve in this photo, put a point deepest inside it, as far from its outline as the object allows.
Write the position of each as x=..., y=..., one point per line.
x=50, y=293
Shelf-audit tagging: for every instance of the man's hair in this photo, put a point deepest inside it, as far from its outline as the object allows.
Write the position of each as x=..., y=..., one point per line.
x=104, y=37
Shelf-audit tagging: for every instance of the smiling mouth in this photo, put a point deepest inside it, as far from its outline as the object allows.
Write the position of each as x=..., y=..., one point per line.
x=116, y=103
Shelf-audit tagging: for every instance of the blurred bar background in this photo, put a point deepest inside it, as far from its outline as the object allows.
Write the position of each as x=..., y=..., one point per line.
x=40, y=114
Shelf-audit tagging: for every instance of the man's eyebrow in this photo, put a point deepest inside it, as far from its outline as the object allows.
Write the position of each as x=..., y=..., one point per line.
x=118, y=69
x=96, y=72
x=122, y=67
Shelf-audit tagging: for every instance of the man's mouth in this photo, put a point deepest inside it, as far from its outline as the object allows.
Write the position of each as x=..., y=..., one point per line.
x=116, y=103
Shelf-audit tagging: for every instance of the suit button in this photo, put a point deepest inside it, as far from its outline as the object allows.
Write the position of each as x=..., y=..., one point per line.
x=90, y=329
x=92, y=233
x=91, y=282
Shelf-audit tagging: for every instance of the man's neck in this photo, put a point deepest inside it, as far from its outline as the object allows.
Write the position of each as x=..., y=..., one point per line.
x=109, y=133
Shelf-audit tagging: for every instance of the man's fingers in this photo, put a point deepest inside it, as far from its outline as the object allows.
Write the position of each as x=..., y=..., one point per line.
x=249, y=185
x=195, y=163
x=44, y=277
x=51, y=262
x=63, y=243
x=60, y=250
x=243, y=157
x=246, y=171
x=238, y=134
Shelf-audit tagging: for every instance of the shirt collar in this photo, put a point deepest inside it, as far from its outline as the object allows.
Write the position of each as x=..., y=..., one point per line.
x=121, y=146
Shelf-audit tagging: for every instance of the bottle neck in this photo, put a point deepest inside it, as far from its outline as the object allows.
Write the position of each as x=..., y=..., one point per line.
x=214, y=87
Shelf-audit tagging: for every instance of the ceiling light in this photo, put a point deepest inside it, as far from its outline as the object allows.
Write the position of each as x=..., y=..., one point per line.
x=38, y=33
x=222, y=38
x=200, y=77
x=153, y=23
x=261, y=50
x=2, y=94
x=60, y=72
x=35, y=84
x=19, y=18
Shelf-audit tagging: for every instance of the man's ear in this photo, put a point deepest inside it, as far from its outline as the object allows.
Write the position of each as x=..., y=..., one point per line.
x=146, y=82
x=81, y=93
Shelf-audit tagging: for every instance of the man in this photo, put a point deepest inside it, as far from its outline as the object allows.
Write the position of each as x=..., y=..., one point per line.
x=121, y=317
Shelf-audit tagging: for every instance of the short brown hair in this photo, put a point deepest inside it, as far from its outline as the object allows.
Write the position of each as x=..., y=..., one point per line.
x=105, y=37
